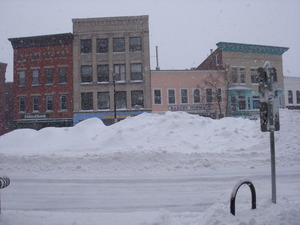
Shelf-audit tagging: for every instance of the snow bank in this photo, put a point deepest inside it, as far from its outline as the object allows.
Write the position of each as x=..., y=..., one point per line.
x=173, y=141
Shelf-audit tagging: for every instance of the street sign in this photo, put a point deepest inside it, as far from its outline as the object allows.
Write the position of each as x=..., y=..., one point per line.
x=269, y=112
x=268, y=93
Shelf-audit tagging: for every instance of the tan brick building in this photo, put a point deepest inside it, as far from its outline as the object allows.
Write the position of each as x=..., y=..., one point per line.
x=111, y=67
x=194, y=91
x=241, y=62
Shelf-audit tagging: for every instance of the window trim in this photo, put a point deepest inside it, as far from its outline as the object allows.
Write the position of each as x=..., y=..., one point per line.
x=160, y=96
x=197, y=89
x=171, y=89
x=187, y=96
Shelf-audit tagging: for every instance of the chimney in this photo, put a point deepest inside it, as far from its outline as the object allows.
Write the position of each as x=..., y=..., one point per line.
x=157, y=66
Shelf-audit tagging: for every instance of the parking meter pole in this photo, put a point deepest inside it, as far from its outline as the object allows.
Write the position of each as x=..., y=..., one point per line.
x=273, y=167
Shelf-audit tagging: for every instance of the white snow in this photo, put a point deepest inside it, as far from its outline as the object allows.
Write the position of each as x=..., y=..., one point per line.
x=166, y=169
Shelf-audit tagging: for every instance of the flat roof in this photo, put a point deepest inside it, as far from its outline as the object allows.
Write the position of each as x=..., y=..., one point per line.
x=42, y=41
x=250, y=48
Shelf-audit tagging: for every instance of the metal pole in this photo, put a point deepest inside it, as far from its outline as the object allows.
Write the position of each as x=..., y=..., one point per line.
x=115, y=105
x=273, y=168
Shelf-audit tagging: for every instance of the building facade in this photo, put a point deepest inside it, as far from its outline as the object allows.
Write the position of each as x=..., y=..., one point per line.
x=9, y=106
x=292, y=92
x=43, y=81
x=193, y=91
x=2, y=97
x=111, y=68
x=241, y=61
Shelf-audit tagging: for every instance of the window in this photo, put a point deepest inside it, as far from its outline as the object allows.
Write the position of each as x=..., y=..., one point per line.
x=62, y=75
x=49, y=75
x=242, y=76
x=86, y=46
x=219, y=94
x=136, y=72
x=62, y=54
x=234, y=75
x=298, y=97
x=255, y=102
x=218, y=60
x=184, y=96
x=119, y=72
x=21, y=75
x=171, y=96
x=102, y=73
x=103, y=100
x=290, y=97
x=120, y=99
x=35, y=56
x=63, y=102
x=233, y=104
x=87, y=101
x=249, y=103
x=209, y=95
x=35, y=77
x=135, y=44
x=102, y=45
x=254, y=76
x=119, y=44
x=49, y=103
x=197, y=96
x=35, y=104
x=157, y=97
x=49, y=55
x=242, y=102
x=86, y=74
x=22, y=104
x=137, y=99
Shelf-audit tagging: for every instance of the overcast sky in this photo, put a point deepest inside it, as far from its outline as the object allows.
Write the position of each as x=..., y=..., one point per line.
x=184, y=30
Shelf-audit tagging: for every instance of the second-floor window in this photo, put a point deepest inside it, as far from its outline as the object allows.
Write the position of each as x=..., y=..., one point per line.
x=184, y=96
x=197, y=96
x=290, y=97
x=102, y=45
x=35, y=104
x=171, y=96
x=49, y=103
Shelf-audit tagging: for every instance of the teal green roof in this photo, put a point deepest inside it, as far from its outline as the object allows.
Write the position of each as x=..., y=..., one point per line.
x=248, y=48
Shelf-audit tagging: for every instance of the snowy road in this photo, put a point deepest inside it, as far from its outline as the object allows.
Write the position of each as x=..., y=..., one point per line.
x=174, y=192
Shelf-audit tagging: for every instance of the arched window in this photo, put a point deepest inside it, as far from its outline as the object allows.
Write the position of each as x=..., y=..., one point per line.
x=197, y=98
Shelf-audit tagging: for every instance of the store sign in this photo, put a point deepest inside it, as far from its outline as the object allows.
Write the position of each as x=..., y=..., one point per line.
x=35, y=116
x=190, y=107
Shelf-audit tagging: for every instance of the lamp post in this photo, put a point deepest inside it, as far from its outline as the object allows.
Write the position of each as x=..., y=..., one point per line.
x=115, y=105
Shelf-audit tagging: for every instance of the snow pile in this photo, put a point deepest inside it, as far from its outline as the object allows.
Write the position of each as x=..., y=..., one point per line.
x=173, y=143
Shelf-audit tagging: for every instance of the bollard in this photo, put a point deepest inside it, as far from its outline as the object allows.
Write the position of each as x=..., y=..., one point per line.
x=234, y=193
x=4, y=182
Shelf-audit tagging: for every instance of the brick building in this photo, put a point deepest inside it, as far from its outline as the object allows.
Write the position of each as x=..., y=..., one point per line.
x=2, y=97
x=43, y=81
x=241, y=61
x=193, y=91
x=111, y=68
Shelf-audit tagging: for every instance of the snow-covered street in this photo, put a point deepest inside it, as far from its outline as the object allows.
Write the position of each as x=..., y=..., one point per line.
x=151, y=169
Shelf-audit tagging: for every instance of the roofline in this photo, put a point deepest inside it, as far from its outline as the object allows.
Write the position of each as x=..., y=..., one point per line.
x=41, y=41
x=251, y=48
